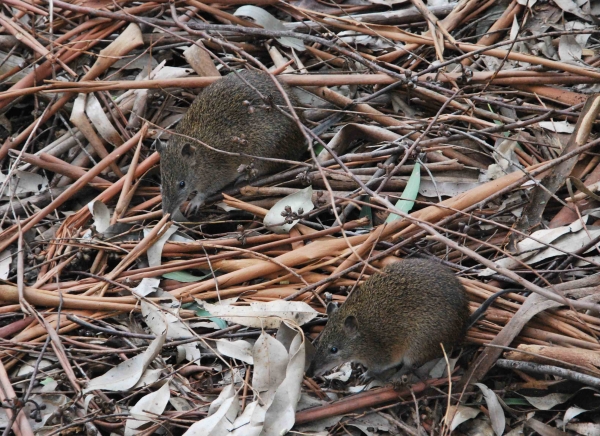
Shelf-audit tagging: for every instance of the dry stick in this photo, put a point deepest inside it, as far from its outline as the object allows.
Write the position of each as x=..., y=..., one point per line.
x=38, y=297
x=77, y=46
x=549, y=370
x=24, y=37
x=10, y=235
x=127, y=191
x=507, y=77
x=362, y=400
x=56, y=165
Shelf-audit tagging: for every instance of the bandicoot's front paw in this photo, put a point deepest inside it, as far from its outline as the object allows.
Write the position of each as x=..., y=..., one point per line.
x=367, y=376
x=194, y=206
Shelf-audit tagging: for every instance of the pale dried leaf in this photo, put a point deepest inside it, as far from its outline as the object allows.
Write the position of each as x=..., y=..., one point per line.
x=99, y=119
x=571, y=7
x=176, y=329
x=280, y=416
x=23, y=182
x=343, y=373
x=495, y=409
x=547, y=402
x=557, y=126
x=270, y=363
x=584, y=428
x=218, y=424
x=240, y=350
x=149, y=377
x=101, y=215
x=126, y=374
x=300, y=203
x=245, y=424
x=528, y=3
x=446, y=186
x=5, y=261
x=460, y=414
x=269, y=22
x=571, y=413
x=155, y=251
x=146, y=408
x=146, y=286
x=227, y=392
x=264, y=315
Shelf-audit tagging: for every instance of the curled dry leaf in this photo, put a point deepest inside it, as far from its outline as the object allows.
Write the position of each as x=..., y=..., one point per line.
x=149, y=377
x=155, y=251
x=270, y=363
x=547, y=402
x=571, y=413
x=126, y=374
x=287, y=208
x=460, y=414
x=101, y=215
x=176, y=329
x=342, y=374
x=146, y=408
x=99, y=119
x=276, y=380
x=566, y=238
x=495, y=409
x=219, y=423
x=269, y=22
x=281, y=414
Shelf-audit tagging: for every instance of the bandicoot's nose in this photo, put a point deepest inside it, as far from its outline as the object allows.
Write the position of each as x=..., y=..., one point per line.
x=169, y=208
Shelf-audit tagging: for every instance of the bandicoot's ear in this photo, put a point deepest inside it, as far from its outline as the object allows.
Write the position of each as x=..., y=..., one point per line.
x=351, y=325
x=188, y=150
x=332, y=308
x=160, y=147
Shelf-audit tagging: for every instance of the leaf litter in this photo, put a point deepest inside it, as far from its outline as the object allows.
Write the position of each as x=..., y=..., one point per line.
x=206, y=327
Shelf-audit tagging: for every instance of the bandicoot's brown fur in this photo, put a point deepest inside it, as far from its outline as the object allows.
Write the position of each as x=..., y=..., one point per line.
x=400, y=315
x=231, y=116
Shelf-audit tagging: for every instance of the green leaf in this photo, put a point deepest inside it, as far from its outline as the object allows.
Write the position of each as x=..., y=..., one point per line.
x=366, y=211
x=184, y=277
x=205, y=314
x=406, y=203
x=515, y=402
x=47, y=381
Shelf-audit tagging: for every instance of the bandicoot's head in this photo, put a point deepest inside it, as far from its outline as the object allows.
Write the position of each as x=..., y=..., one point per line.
x=178, y=175
x=338, y=341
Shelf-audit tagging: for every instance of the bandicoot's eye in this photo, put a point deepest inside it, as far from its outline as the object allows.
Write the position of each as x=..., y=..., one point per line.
x=333, y=350
x=181, y=184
